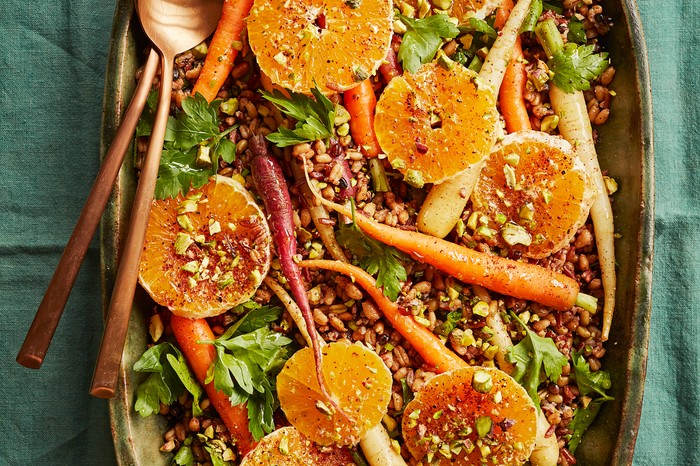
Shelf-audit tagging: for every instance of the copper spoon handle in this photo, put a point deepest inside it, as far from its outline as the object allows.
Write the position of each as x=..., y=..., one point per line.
x=39, y=336
x=104, y=379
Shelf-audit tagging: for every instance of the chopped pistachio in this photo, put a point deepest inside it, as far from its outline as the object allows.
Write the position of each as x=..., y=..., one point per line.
x=498, y=397
x=512, y=159
x=468, y=338
x=547, y=196
x=323, y=408
x=414, y=178
x=230, y=106
x=473, y=220
x=200, y=50
x=549, y=123
x=527, y=211
x=255, y=276
x=214, y=227
x=191, y=282
x=515, y=234
x=481, y=308
x=399, y=27
x=610, y=185
x=182, y=242
x=437, y=414
x=460, y=228
x=422, y=320
x=483, y=425
x=203, y=156
x=415, y=414
x=191, y=267
x=443, y=60
x=188, y=205
x=485, y=231
x=343, y=130
x=155, y=327
x=511, y=179
x=284, y=445
x=185, y=222
x=452, y=293
x=442, y=4
x=491, y=352
x=501, y=218
x=485, y=450
x=482, y=382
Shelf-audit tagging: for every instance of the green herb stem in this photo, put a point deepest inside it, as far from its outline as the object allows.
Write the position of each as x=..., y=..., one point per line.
x=378, y=174
x=587, y=302
x=549, y=37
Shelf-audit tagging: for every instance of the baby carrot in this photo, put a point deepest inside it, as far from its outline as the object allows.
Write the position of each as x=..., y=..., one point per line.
x=223, y=48
x=431, y=349
x=199, y=356
x=511, y=95
x=360, y=102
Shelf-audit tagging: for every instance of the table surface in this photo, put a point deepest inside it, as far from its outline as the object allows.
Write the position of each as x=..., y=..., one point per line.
x=52, y=65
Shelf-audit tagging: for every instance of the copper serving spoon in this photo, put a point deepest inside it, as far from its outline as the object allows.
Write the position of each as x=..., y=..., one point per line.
x=43, y=327
x=173, y=26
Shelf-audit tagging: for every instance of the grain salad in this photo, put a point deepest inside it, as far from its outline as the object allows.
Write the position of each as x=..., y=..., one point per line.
x=307, y=308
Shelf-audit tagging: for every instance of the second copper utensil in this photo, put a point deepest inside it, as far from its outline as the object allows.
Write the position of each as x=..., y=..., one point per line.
x=43, y=327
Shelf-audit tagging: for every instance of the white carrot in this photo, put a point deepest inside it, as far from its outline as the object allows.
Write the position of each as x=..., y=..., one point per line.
x=575, y=127
x=446, y=201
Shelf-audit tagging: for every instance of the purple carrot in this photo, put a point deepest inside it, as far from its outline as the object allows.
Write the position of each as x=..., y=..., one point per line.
x=272, y=188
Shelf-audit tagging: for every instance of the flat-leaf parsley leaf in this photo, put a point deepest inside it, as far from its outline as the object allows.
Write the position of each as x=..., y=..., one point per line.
x=589, y=383
x=246, y=364
x=531, y=355
x=423, y=38
x=314, y=115
x=575, y=66
x=374, y=257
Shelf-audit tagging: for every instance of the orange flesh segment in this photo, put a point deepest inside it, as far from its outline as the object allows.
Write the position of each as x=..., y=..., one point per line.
x=551, y=183
x=241, y=256
x=288, y=447
x=440, y=423
x=434, y=124
x=297, y=42
x=357, y=379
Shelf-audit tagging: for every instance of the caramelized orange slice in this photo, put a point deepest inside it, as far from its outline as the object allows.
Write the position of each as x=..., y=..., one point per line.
x=471, y=416
x=334, y=43
x=434, y=124
x=205, y=252
x=535, y=192
x=465, y=9
x=288, y=447
x=358, y=381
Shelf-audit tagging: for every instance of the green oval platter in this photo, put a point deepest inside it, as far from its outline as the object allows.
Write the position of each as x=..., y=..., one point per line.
x=625, y=150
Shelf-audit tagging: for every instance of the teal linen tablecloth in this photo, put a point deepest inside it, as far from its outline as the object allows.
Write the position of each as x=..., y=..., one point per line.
x=52, y=64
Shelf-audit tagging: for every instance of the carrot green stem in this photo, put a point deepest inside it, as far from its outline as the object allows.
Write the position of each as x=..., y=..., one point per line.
x=549, y=37
x=379, y=181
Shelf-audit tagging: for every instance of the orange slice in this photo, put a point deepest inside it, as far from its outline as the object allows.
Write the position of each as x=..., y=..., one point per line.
x=435, y=123
x=358, y=381
x=288, y=447
x=465, y=9
x=334, y=43
x=535, y=187
x=205, y=252
x=471, y=416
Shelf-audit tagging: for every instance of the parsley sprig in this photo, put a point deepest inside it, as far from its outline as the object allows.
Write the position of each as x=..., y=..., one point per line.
x=169, y=378
x=314, y=116
x=193, y=145
x=374, y=257
x=248, y=357
x=530, y=356
x=589, y=383
x=423, y=38
x=573, y=66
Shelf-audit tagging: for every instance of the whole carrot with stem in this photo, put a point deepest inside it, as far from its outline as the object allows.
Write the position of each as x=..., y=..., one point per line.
x=575, y=127
x=272, y=187
x=431, y=349
x=360, y=102
x=199, y=356
x=224, y=47
x=513, y=278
